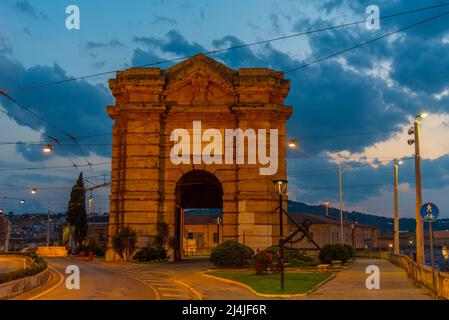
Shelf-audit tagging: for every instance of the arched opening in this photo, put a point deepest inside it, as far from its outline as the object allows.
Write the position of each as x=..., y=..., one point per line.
x=198, y=216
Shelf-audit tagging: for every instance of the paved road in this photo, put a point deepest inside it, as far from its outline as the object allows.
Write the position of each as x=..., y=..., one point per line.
x=11, y=264
x=180, y=281
x=105, y=282
x=350, y=284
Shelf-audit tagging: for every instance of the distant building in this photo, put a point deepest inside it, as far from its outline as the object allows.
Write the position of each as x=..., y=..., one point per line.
x=201, y=233
x=5, y=229
x=327, y=230
x=97, y=229
x=407, y=240
x=29, y=230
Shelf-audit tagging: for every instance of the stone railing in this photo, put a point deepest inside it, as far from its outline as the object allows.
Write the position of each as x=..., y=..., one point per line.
x=420, y=274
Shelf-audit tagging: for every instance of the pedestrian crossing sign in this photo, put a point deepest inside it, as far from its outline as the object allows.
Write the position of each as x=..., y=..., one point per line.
x=429, y=212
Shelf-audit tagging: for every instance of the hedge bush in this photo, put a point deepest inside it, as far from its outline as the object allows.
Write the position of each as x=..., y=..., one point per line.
x=262, y=261
x=330, y=252
x=38, y=266
x=231, y=254
x=294, y=257
x=150, y=254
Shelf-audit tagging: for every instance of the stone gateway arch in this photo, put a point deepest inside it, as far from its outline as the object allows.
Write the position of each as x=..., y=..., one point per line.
x=191, y=136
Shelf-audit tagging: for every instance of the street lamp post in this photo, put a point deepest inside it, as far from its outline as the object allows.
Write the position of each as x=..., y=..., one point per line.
x=419, y=223
x=396, y=207
x=218, y=229
x=281, y=186
x=340, y=173
x=48, y=227
x=352, y=234
x=326, y=204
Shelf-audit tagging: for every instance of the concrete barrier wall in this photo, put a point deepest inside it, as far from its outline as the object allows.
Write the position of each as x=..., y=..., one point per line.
x=52, y=251
x=16, y=287
x=421, y=275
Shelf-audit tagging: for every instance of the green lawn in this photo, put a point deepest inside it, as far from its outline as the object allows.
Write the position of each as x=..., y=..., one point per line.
x=295, y=282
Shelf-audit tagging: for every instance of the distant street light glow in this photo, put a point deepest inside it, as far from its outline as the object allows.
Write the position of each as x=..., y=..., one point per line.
x=292, y=143
x=47, y=148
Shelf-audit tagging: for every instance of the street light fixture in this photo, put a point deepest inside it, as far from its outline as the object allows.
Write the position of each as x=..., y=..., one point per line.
x=33, y=191
x=281, y=187
x=22, y=201
x=47, y=148
x=292, y=143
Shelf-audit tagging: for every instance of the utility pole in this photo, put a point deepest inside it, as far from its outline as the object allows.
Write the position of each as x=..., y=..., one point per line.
x=415, y=130
x=396, y=208
x=48, y=227
x=340, y=173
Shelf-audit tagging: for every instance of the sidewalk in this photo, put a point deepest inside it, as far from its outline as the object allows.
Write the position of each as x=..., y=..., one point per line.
x=350, y=284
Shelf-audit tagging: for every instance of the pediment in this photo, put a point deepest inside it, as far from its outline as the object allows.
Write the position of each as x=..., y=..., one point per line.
x=200, y=62
x=198, y=81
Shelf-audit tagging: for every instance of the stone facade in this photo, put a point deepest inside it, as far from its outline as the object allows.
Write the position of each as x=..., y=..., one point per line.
x=147, y=187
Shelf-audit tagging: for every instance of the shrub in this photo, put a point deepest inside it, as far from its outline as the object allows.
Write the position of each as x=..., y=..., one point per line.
x=124, y=243
x=151, y=254
x=262, y=261
x=231, y=254
x=99, y=250
x=351, y=250
x=294, y=257
x=38, y=266
x=331, y=252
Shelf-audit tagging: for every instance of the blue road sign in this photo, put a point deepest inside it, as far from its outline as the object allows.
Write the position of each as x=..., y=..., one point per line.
x=429, y=212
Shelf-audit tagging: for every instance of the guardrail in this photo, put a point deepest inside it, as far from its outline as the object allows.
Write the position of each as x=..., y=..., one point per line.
x=420, y=274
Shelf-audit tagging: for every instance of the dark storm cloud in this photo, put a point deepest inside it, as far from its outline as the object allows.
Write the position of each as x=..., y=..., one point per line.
x=419, y=57
x=329, y=100
x=25, y=7
x=174, y=42
x=77, y=108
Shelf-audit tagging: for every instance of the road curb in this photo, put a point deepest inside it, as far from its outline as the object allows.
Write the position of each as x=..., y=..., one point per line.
x=193, y=290
x=242, y=285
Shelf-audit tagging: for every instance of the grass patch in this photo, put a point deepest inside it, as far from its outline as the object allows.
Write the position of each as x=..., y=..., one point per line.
x=295, y=282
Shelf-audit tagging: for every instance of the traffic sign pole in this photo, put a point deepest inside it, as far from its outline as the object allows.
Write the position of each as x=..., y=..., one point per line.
x=432, y=260
x=429, y=213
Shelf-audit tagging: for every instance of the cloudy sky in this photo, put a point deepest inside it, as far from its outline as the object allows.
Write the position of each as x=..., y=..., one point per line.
x=359, y=104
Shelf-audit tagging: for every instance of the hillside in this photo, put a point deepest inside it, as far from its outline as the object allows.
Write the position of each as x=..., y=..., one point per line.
x=383, y=223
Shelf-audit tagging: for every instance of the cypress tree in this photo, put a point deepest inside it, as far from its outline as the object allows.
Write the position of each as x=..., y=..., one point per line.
x=76, y=213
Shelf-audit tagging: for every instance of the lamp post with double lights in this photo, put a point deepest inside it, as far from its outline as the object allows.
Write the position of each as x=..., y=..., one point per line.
x=415, y=130
x=281, y=187
x=396, y=207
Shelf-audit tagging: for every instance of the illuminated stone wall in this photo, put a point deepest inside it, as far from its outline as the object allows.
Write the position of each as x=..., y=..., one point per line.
x=150, y=103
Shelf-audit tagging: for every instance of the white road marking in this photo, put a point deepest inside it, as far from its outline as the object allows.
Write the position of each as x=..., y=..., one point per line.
x=52, y=288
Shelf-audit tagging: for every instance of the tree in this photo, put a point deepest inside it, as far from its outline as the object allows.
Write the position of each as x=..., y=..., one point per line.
x=76, y=213
x=124, y=243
